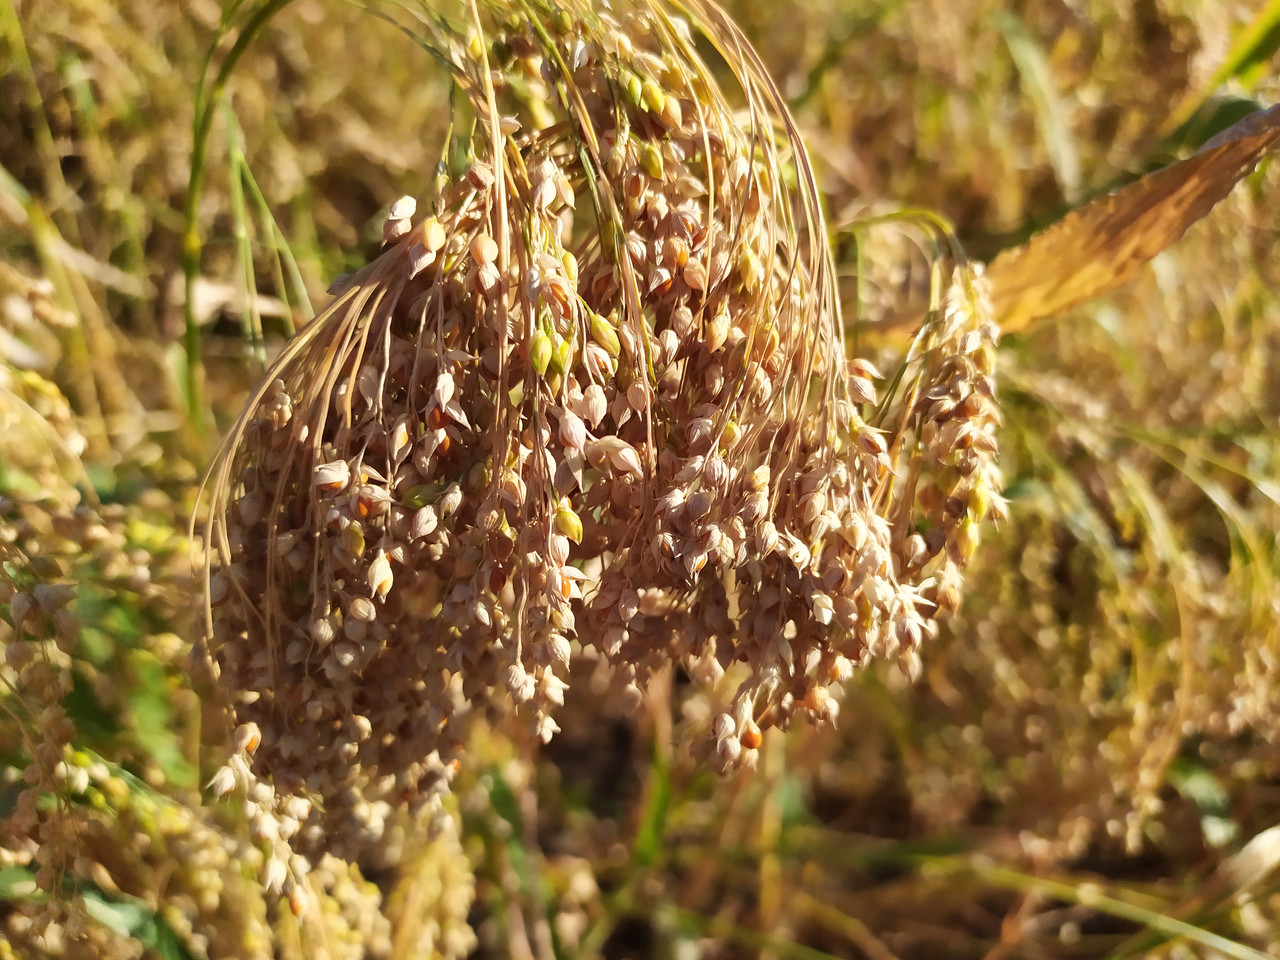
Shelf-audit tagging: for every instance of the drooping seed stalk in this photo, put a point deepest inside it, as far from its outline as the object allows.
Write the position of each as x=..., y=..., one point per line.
x=598, y=399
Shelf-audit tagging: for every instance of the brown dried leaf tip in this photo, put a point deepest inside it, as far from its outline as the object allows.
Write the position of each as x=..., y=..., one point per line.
x=1100, y=246
x=597, y=400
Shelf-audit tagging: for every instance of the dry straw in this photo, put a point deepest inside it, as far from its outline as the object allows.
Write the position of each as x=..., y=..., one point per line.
x=596, y=403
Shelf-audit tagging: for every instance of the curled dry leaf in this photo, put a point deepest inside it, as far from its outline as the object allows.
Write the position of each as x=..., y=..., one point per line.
x=1100, y=246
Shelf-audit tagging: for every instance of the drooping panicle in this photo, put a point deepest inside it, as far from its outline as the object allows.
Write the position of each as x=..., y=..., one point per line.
x=598, y=397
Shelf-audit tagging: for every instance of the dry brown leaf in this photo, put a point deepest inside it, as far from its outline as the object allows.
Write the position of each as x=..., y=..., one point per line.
x=1100, y=246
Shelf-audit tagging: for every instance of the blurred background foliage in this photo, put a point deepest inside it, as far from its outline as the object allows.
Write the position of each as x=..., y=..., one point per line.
x=1088, y=766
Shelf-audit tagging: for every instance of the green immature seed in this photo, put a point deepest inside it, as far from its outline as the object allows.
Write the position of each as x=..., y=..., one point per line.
x=750, y=271
x=562, y=358
x=729, y=436
x=353, y=539
x=984, y=358
x=633, y=88
x=602, y=332
x=651, y=160
x=568, y=524
x=979, y=500
x=652, y=96
x=570, y=263
x=966, y=541
x=421, y=495
x=540, y=353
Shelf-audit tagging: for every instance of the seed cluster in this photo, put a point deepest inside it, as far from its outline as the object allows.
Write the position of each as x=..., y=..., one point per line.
x=76, y=820
x=599, y=399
